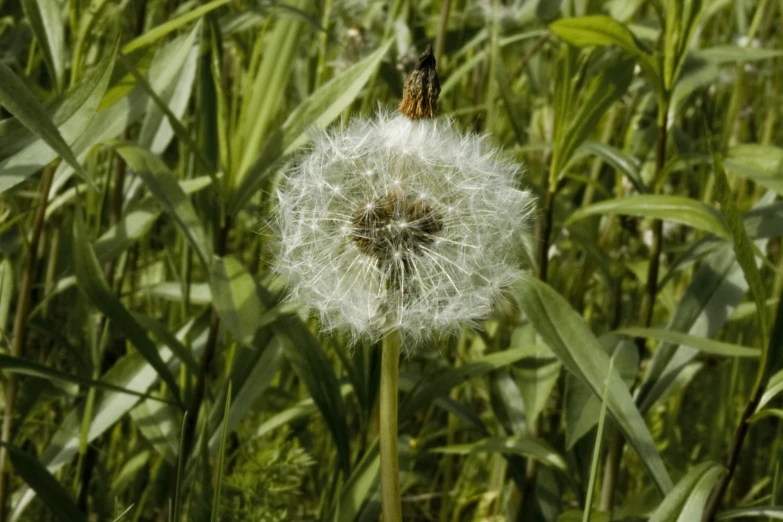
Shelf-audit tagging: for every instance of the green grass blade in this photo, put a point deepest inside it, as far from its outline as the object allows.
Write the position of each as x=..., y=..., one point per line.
x=236, y=299
x=318, y=110
x=669, y=510
x=311, y=365
x=164, y=186
x=358, y=488
x=566, y=334
x=432, y=387
x=165, y=28
x=89, y=277
x=596, y=462
x=132, y=372
x=678, y=209
x=256, y=370
x=766, y=512
x=707, y=346
x=22, y=156
x=221, y=459
x=523, y=445
x=10, y=364
x=21, y=103
x=746, y=258
x=46, y=22
x=45, y=485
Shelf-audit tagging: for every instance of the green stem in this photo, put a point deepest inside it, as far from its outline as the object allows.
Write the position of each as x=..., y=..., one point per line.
x=18, y=337
x=390, y=462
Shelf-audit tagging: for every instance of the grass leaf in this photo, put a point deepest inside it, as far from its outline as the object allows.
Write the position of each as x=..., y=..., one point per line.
x=568, y=337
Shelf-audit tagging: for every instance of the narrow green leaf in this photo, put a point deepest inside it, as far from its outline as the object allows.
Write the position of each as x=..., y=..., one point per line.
x=163, y=185
x=747, y=261
x=679, y=209
x=582, y=407
x=358, y=488
x=21, y=103
x=621, y=161
x=159, y=424
x=311, y=365
x=165, y=108
x=21, y=366
x=125, y=103
x=596, y=30
x=536, y=376
x=169, y=339
x=431, y=387
x=23, y=154
x=165, y=28
x=256, y=368
x=221, y=458
x=300, y=410
x=46, y=21
x=722, y=54
x=691, y=484
x=699, y=343
x=89, y=277
x=136, y=222
x=766, y=512
x=715, y=290
x=526, y=446
x=760, y=163
x=606, y=87
x=266, y=86
x=774, y=387
x=132, y=372
x=236, y=299
x=319, y=109
x=45, y=485
x=566, y=334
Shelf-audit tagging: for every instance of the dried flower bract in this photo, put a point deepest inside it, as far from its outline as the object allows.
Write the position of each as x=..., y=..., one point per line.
x=421, y=90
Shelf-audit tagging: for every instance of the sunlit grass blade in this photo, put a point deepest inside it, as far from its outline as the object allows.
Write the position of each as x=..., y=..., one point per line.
x=568, y=337
x=20, y=102
x=707, y=346
x=72, y=116
x=165, y=28
x=163, y=185
x=678, y=209
x=698, y=479
x=46, y=21
x=318, y=110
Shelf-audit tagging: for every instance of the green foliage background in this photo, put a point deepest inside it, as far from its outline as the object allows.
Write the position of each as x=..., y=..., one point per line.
x=632, y=376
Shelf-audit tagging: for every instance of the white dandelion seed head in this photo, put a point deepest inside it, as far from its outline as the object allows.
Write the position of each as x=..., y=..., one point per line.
x=391, y=223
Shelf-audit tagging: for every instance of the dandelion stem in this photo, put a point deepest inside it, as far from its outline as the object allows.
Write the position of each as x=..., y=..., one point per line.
x=390, y=465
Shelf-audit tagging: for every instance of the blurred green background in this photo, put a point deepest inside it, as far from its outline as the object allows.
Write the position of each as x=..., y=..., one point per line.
x=633, y=376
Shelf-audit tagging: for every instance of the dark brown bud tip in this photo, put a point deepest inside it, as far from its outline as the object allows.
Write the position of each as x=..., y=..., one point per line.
x=422, y=87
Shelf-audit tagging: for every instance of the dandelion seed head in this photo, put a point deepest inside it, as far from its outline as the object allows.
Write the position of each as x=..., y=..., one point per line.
x=392, y=223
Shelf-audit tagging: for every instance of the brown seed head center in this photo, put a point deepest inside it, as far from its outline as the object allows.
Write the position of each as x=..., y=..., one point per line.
x=395, y=227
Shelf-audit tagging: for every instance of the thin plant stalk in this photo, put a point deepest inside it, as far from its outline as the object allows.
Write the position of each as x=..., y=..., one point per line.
x=391, y=504
x=17, y=343
x=617, y=443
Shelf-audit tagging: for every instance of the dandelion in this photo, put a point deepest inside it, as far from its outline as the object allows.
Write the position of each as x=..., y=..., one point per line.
x=400, y=224
x=399, y=227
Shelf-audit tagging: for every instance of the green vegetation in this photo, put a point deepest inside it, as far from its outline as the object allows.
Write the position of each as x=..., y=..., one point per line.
x=633, y=375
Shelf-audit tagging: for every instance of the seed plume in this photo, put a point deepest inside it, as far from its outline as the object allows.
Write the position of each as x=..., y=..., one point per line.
x=395, y=226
